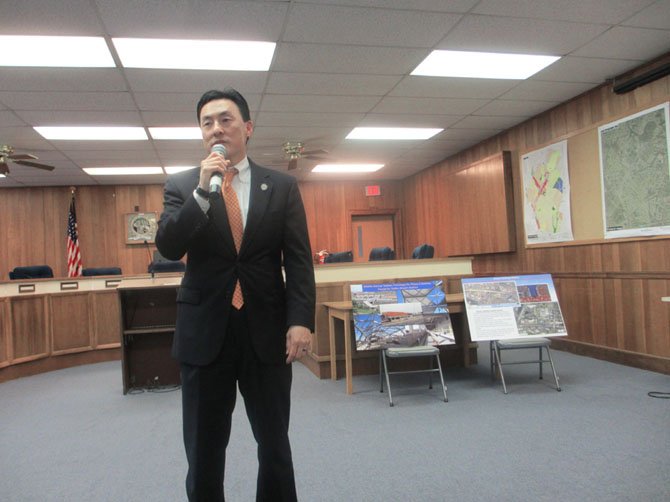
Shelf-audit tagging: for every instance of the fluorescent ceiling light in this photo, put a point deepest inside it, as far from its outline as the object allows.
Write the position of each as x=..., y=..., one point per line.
x=89, y=52
x=482, y=65
x=175, y=132
x=2, y=176
x=194, y=54
x=347, y=168
x=93, y=133
x=393, y=133
x=118, y=171
x=177, y=169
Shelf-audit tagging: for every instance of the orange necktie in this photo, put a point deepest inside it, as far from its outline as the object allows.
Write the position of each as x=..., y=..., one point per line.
x=236, y=227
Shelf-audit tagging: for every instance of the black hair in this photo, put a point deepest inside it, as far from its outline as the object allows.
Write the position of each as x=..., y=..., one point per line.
x=228, y=93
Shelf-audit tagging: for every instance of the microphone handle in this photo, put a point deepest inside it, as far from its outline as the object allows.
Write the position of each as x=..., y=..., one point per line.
x=215, y=183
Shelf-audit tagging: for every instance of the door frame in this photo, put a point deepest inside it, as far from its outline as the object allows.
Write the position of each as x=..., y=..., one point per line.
x=398, y=237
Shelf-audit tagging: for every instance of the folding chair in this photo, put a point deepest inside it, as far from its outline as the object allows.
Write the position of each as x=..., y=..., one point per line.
x=401, y=352
x=497, y=346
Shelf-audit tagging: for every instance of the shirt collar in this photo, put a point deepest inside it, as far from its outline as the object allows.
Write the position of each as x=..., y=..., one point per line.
x=244, y=173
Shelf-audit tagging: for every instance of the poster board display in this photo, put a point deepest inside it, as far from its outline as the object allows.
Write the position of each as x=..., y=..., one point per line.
x=403, y=314
x=522, y=306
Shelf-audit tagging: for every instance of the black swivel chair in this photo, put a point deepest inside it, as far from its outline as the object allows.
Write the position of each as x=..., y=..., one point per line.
x=88, y=272
x=167, y=266
x=423, y=251
x=341, y=257
x=385, y=253
x=32, y=272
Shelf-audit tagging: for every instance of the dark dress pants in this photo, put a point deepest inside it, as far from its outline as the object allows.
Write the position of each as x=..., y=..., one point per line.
x=208, y=400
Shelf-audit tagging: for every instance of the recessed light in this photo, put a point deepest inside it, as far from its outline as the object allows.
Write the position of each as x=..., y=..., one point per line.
x=194, y=54
x=122, y=171
x=93, y=133
x=398, y=133
x=175, y=132
x=347, y=168
x=87, y=52
x=482, y=65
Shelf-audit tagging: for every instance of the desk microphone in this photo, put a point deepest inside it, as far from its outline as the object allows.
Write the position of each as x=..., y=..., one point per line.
x=216, y=180
x=151, y=261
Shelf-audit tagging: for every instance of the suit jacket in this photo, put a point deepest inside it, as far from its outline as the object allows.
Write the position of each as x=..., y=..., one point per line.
x=275, y=234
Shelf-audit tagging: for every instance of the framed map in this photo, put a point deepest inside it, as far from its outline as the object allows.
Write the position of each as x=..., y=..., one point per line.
x=546, y=194
x=635, y=174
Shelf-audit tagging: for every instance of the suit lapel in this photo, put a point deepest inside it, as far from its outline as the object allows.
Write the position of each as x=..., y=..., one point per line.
x=259, y=196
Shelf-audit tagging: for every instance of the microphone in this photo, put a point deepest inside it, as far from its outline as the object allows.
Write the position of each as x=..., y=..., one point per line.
x=151, y=261
x=216, y=180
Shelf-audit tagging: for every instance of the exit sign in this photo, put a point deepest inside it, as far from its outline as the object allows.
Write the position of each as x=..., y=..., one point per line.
x=373, y=190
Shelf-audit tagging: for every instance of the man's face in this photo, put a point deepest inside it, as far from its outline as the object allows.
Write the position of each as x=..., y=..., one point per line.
x=221, y=123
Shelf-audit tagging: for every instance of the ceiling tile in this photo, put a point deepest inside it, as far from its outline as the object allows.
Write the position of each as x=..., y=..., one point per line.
x=367, y=26
x=627, y=43
x=580, y=11
x=519, y=35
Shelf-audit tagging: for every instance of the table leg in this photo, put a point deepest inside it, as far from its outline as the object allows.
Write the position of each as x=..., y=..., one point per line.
x=348, y=354
x=333, y=355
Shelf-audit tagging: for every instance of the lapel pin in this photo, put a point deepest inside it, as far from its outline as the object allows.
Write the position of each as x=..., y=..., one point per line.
x=264, y=187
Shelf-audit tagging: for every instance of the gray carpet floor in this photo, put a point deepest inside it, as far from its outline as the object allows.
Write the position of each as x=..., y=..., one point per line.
x=71, y=435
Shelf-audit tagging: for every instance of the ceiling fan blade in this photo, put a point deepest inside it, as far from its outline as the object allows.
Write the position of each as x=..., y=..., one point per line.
x=4, y=168
x=292, y=164
x=22, y=156
x=314, y=152
x=34, y=164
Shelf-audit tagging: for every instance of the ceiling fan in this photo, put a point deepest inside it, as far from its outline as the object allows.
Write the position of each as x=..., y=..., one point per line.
x=295, y=150
x=24, y=159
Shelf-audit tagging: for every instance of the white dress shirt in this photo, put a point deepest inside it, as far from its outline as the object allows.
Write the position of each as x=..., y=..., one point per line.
x=242, y=186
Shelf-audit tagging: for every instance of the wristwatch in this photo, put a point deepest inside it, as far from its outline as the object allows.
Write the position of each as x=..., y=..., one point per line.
x=202, y=193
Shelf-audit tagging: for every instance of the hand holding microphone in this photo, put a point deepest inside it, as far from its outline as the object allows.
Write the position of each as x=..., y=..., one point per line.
x=217, y=179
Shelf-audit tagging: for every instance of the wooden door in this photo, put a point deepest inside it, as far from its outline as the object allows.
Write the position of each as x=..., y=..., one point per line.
x=371, y=231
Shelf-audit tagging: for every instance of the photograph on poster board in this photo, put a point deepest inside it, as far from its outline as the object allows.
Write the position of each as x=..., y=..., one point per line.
x=546, y=191
x=404, y=314
x=500, y=308
x=635, y=174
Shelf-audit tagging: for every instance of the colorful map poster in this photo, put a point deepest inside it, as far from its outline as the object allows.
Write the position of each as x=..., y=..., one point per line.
x=635, y=173
x=546, y=190
x=522, y=306
x=403, y=314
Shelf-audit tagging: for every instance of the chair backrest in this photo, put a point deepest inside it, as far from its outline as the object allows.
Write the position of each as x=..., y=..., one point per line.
x=101, y=271
x=341, y=257
x=167, y=266
x=32, y=272
x=423, y=251
x=385, y=253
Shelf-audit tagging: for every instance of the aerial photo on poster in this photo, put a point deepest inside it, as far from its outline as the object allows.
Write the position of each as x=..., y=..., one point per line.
x=519, y=306
x=404, y=314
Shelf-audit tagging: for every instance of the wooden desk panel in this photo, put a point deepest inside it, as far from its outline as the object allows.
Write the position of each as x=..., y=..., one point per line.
x=29, y=330
x=70, y=324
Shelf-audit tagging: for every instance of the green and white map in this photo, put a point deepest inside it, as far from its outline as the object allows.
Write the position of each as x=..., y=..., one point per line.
x=635, y=172
x=546, y=189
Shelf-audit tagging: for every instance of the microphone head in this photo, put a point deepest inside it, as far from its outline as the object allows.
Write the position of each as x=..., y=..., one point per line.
x=220, y=149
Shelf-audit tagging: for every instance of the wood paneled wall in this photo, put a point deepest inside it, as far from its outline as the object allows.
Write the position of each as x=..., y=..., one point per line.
x=609, y=290
x=329, y=206
x=34, y=221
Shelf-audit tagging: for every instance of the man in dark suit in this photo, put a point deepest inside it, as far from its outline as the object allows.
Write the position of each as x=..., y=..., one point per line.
x=218, y=345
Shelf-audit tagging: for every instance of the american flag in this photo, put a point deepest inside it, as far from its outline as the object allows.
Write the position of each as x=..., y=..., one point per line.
x=73, y=255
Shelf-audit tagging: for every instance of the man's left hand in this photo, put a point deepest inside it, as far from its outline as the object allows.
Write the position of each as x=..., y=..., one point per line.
x=298, y=340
